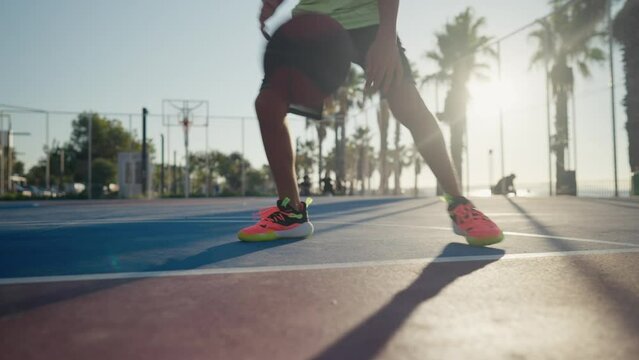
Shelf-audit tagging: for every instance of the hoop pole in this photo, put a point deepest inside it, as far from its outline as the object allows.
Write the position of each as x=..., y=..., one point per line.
x=90, y=139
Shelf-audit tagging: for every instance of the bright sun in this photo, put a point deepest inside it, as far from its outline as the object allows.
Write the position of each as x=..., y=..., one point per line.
x=486, y=96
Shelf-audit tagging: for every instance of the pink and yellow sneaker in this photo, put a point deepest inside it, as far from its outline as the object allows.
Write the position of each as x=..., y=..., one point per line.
x=279, y=222
x=471, y=223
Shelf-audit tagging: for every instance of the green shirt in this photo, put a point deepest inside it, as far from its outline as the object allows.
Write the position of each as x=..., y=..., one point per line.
x=352, y=14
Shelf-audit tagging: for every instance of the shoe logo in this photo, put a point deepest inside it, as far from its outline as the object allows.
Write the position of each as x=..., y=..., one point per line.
x=295, y=216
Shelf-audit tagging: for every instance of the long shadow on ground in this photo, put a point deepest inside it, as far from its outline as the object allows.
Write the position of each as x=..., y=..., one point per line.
x=132, y=246
x=623, y=298
x=21, y=298
x=368, y=338
x=628, y=204
x=55, y=255
x=338, y=226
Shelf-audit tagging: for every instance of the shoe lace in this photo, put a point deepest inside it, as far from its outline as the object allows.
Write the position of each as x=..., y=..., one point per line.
x=469, y=212
x=270, y=214
x=274, y=213
x=263, y=213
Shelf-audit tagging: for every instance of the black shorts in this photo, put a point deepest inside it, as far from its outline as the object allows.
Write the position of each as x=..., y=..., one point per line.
x=362, y=38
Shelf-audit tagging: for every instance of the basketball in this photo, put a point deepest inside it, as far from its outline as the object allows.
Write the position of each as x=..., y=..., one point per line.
x=308, y=58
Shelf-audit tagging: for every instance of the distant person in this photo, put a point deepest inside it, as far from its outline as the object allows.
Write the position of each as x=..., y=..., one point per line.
x=371, y=25
x=305, y=186
x=505, y=186
x=328, y=186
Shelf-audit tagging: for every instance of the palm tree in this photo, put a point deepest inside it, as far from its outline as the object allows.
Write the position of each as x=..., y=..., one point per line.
x=417, y=163
x=383, y=117
x=304, y=159
x=330, y=162
x=566, y=38
x=400, y=153
x=397, y=159
x=361, y=140
x=349, y=94
x=401, y=158
x=625, y=30
x=320, y=127
x=458, y=47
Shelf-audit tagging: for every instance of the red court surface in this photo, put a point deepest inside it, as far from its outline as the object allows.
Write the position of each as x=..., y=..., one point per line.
x=515, y=308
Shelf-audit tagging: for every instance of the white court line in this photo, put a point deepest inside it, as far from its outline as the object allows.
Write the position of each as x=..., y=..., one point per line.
x=489, y=214
x=263, y=269
x=571, y=239
x=127, y=221
x=440, y=228
x=185, y=218
x=567, y=238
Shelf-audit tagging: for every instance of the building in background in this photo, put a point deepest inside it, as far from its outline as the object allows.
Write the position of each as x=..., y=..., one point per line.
x=6, y=160
x=130, y=174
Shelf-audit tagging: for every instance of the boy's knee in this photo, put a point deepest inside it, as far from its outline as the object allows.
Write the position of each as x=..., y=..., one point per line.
x=260, y=105
x=261, y=102
x=270, y=107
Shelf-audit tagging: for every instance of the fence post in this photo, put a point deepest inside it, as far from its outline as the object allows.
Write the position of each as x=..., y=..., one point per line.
x=144, y=154
x=89, y=155
x=162, y=167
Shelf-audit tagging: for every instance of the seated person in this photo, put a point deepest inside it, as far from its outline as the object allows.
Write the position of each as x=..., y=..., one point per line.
x=505, y=186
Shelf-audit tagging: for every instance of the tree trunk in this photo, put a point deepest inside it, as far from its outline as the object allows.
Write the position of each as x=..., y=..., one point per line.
x=562, y=81
x=383, y=116
x=457, y=147
x=418, y=169
x=397, y=160
x=361, y=166
x=625, y=30
x=342, y=152
x=319, y=163
x=337, y=154
x=455, y=116
x=561, y=129
x=632, y=104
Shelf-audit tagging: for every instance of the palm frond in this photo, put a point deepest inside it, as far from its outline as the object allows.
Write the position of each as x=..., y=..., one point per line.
x=596, y=54
x=583, y=69
x=432, y=55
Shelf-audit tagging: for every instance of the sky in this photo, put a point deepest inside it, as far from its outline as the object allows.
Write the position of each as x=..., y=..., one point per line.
x=118, y=56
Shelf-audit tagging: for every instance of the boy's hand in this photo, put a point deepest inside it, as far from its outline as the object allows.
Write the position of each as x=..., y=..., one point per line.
x=383, y=65
x=268, y=9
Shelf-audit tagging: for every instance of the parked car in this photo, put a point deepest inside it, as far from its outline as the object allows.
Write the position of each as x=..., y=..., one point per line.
x=23, y=190
x=35, y=191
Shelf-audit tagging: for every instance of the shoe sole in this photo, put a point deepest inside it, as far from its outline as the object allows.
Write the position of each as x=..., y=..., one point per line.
x=478, y=241
x=300, y=232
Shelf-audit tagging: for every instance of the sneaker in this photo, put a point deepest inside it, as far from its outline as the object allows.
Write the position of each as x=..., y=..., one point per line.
x=279, y=222
x=471, y=223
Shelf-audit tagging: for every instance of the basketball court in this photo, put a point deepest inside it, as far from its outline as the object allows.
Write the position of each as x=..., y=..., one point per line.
x=381, y=278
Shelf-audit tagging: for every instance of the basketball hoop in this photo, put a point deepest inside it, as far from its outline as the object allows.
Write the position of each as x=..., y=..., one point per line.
x=186, y=125
x=187, y=117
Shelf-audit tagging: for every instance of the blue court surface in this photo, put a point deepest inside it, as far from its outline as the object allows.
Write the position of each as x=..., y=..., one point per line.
x=359, y=245
x=49, y=238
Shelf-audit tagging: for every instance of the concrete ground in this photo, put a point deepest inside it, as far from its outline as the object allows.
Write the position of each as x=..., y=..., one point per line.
x=381, y=278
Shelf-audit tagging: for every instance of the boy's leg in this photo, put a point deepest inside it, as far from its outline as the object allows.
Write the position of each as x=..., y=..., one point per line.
x=289, y=219
x=271, y=111
x=409, y=108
